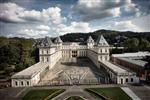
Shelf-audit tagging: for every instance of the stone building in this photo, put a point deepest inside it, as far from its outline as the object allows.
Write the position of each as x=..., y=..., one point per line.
x=50, y=53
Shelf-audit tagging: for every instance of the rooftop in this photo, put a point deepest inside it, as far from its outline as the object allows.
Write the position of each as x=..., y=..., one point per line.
x=134, y=60
x=114, y=67
x=90, y=40
x=31, y=71
x=101, y=41
x=46, y=42
x=58, y=40
x=135, y=54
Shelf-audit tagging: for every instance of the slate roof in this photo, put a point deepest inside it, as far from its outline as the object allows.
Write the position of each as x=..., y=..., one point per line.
x=46, y=42
x=58, y=40
x=101, y=41
x=90, y=40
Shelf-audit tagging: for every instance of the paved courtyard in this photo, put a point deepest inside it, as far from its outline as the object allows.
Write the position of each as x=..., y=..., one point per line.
x=74, y=71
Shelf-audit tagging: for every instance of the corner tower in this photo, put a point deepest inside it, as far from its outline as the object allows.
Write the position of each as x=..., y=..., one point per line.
x=45, y=49
x=58, y=43
x=90, y=42
x=102, y=48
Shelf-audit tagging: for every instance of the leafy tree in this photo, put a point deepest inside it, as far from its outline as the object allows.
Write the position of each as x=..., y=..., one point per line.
x=144, y=44
x=132, y=44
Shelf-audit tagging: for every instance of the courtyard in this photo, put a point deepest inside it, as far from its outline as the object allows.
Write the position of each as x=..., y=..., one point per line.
x=74, y=71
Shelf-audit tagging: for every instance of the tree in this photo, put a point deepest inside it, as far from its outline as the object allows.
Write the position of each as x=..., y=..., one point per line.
x=144, y=44
x=132, y=44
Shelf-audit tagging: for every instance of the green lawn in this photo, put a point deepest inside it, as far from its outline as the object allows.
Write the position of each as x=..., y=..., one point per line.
x=41, y=94
x=112, y=93
x=74, y=98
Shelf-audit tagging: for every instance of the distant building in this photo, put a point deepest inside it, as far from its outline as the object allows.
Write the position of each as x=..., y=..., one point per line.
x=50, y=53
x=133, y=61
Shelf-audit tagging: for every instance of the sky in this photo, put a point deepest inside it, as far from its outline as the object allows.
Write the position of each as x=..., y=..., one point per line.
x=40, y=18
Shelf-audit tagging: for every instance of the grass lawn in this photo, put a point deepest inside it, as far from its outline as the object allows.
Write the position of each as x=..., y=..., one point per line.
x=41, y=94
x=74, y=98
x=112, y=93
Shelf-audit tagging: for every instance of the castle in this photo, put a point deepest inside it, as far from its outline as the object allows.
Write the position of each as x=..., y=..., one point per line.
x=50, y=53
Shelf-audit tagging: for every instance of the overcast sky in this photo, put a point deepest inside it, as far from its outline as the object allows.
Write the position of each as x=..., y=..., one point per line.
x=40, y=18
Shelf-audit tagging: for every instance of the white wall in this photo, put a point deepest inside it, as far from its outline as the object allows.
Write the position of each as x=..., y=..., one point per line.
x=135, y=79
x=19, y=82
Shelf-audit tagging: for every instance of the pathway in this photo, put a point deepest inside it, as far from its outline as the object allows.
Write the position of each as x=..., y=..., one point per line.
x=75, y=91
x=130, y=93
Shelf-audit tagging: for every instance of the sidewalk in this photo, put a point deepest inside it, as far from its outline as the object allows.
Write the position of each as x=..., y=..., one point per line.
x=130, y=93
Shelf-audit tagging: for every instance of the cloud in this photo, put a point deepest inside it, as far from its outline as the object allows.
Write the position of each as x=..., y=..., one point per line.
x=74, y=27
x=99, y=9
x=30, y=33
x=142, y=22
x=33, y=32
x=124, y=26
x=139, y=24
x=11, y=12
x=43, y=27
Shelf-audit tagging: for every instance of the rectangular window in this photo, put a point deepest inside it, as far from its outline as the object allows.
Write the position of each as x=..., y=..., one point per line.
x=21, y=82
x=105, y=57
x=27, y=82
x=126, y=79
x=47, y=59
x=42, y=52
x=43, y=59
x=16, y=83
x=131, y=79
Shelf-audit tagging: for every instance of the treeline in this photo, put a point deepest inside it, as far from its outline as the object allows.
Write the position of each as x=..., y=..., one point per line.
x=16, y=54
x=133, y=45
x=137, y=44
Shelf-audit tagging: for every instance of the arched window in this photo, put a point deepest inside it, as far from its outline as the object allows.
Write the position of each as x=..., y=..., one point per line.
x=131, y=79
x=21, y=82
x=126, y=79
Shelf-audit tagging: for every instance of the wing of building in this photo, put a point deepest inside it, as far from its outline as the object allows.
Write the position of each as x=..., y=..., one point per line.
x=133, y=61
x=50, y=53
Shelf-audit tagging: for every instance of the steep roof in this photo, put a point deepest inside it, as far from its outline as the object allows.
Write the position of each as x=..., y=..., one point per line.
x=90, y=40
x=58, y=40
x=101, y=41
x=46, y=42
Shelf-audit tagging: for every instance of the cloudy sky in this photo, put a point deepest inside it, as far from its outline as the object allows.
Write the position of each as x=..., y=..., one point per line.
x=40, y=18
